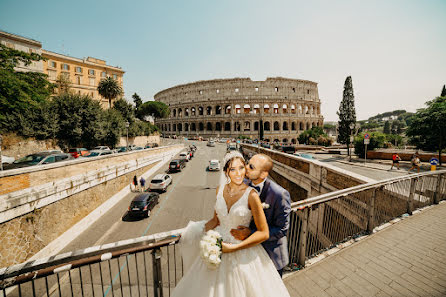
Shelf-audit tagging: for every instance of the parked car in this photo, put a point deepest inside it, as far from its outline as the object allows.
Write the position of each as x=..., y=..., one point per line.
x=231, y=147
x=214, y=165
x=160, y=182
x=102, y=148
x=289, y=149
x=303, y=155
x=185, y=156
x=122, y=149
x=137, y=148
x=177, y=165
x=265, y=145
x=41, y=158
x=97, y=153
x=143, y=204
x=151, y=145
x=7, y=160
x=211, y=143
x=76, y=152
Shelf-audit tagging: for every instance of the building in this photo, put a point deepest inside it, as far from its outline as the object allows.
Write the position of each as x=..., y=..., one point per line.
x=233, y=107
x=83, y=75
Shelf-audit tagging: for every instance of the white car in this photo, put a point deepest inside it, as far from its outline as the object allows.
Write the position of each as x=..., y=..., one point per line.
x=7, y=160
x=102, y=148
x=211, y=143
x=185, y=156
x=160, y=182
x=214, y=165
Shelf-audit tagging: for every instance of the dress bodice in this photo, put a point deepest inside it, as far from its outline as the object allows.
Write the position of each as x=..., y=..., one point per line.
x=238, y=215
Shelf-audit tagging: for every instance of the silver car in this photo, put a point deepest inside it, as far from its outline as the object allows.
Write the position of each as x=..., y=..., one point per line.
x=160, y=182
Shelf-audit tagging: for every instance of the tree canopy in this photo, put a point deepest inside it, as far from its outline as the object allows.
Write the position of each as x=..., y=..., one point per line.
x=155, y=108
x=347, y=112
x=110, y=89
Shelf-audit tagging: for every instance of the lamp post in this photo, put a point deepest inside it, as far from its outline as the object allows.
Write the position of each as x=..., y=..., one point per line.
x=127, y=125
x=353, y=125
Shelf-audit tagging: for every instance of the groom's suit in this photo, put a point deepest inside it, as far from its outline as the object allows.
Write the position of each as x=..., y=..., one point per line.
x=278, y=218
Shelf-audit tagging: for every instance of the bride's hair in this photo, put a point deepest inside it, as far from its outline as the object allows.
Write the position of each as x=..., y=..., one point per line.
x=230, y=157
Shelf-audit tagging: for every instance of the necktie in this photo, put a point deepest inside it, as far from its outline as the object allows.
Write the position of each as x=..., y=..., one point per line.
x=257, y=188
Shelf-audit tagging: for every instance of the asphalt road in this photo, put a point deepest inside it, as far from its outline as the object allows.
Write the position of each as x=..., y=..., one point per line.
x=191, y=196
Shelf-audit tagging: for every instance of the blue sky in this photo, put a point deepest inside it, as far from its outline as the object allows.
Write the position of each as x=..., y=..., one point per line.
x=395, y=50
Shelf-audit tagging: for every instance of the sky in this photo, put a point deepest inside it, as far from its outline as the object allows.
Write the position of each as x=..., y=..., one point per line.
x=395, y=50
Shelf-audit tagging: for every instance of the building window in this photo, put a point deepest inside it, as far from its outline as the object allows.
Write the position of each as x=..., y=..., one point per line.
x=52, y=64
x=257, y=89
x=79, y=69
x=91, y=81
x=103, y=74
x=90, y=72
x=218, y=91
x=201, y=92
x=115, y=77
x=52, y=74
x=78, y=79
x=65, y=67
x=236, y=90
x=308, y=91
x=294, y=90
x=276, y=89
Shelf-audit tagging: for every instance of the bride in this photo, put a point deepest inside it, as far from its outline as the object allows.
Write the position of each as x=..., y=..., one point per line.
x=245, y=269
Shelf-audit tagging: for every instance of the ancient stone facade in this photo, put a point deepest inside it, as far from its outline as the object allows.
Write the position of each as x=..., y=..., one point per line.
x=233, y=107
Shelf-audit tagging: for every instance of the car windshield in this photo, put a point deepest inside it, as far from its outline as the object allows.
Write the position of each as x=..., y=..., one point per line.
x=137, y=204
x=156, y=181
x=30, y=159
x=214, y=163
x=173, y=163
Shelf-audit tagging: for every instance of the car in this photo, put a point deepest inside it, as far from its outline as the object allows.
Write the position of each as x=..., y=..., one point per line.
x=102, y=148
x=303, y=155
x=211, y=143
x=177, y=165
x=151, y=145
x=214, y=165
x=232, y=146
x=7, y=160
x=185, y=156
x=123, y=149
x=97, y=153
x=143, y=204
x=137, y=148
x=77, y=152
x=289, y=149
x=41, y=158
x=265, y=145
x=160, y=182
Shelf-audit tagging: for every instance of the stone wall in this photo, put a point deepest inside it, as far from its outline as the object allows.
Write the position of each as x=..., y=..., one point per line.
x=17, y=147
x=139, y=140
x=405, y=156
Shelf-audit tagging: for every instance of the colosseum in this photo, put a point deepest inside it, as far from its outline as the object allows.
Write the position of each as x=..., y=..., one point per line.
x=229, y=108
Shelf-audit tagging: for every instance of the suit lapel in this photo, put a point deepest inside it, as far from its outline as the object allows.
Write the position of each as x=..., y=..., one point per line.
x=264, y=190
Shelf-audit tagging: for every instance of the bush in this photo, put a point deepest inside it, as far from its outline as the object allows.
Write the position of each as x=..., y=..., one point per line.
x=377, y=140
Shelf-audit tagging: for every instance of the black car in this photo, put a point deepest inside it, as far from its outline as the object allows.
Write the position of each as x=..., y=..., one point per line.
x=265, y=145
x=289, y=149
x=142, y=204
x=177, y=165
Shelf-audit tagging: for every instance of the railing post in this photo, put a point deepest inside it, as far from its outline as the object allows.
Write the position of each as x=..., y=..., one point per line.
x=371, y=211
x=157, y=276
x=437, y=189
x=303, y=237
x=413, y=186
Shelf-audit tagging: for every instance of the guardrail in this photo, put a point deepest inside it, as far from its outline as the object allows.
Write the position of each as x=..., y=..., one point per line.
x=126, y=269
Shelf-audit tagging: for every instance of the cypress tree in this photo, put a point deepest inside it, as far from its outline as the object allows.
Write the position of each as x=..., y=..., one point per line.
x=443, y=92
x=346, y=113
x=386, y=127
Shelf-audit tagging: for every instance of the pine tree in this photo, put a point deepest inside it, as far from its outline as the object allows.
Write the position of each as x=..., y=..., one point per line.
x=386, y=127
x=346, y=113
x=443, y=92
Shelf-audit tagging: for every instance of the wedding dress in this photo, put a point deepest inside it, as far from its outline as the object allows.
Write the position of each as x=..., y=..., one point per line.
x=245, y=273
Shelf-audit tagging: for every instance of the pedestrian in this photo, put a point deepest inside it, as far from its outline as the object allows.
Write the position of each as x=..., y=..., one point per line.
x=142, y=183
x=135, y=183
x=395, y=160
x=415, y=164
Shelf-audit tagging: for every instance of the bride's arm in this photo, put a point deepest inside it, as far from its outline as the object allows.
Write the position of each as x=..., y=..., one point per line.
x=262, y=233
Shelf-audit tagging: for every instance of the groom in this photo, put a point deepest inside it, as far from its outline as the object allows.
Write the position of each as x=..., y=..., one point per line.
x=277, y=214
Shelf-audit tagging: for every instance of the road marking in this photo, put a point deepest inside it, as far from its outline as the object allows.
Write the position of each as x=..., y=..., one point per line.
x=145, y=231
x=109, y=231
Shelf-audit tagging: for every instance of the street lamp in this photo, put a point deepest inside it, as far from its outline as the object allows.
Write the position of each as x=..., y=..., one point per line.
x=127, y=125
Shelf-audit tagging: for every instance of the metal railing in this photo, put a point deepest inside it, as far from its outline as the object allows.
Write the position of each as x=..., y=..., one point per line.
x=151, y=265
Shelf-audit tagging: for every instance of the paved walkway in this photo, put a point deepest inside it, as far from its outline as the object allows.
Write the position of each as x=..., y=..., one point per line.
x=407, y=258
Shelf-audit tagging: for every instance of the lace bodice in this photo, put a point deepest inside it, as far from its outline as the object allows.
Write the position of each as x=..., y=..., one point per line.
x=238, y=215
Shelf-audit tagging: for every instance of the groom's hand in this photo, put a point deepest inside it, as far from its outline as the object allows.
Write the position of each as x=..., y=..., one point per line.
x=241, y=233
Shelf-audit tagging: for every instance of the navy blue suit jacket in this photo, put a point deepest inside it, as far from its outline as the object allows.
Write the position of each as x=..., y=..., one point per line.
x=278, y=218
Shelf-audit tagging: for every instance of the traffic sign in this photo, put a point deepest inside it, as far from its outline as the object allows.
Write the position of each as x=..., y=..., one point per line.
x=434, y=161
x=366, y=141
x=367, y=136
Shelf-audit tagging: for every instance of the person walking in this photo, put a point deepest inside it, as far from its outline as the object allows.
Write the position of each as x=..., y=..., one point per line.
x=142, y=183
x=135, y=183
x=415, y=163
x=395, y=160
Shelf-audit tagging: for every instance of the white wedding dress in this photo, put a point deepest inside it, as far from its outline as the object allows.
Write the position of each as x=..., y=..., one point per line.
x=245, y=273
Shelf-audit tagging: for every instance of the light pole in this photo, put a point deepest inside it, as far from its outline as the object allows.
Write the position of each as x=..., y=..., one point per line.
x=127, y=125
x=352, y=133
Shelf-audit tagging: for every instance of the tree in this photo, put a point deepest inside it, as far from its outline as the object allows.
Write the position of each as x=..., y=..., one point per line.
x=137, y=100
x=346, y=113
x=377, y=140
x=386, y=129
x=110, y=89
x=443, y=92
x=315, y=135
x=428, y=127
x=63, y=84
x=155, y=108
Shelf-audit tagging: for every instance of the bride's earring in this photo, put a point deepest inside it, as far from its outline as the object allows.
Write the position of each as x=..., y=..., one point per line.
x=228, y=179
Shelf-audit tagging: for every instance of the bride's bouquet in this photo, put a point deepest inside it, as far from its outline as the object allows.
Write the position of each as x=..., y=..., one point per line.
x=211, y=249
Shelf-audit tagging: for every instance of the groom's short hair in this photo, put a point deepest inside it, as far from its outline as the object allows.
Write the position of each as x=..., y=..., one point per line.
x=268, y=165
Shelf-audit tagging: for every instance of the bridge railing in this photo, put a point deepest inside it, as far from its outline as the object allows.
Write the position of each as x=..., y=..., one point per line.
x=151, y=265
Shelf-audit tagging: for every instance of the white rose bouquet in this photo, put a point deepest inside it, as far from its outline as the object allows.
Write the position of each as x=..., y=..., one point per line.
x=211, y=249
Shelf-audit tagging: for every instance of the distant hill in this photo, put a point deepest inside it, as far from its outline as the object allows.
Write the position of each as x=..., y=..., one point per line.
x=387, y=115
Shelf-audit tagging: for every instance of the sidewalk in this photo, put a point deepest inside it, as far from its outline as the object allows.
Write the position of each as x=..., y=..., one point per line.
x=407, y=258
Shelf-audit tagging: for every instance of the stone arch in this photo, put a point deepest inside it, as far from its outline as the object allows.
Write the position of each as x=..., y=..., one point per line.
x=209, y=110
x=301, y=126
x=180, y=112
x=193, y=127
x=193, y=111
x=209, y=126
x=218, y=109
x=276, y=108
x=247, y=126
x=174, y=113
x=227, y=126
x=293, y=108
x=293, y=140
x=186, y=127
x=284, y=108
x=170, y=127
x=276, y=126
x=293, y=126
x=299, y=109
x=217, y=126
x=237, y=108
x=285, y=140
x=200, y=126
x=306, y=109
x=276, y=140
x=266, y=126
x=285, y=126
x=228, y=109
x=237, y=126
x=256, y=126
x=266, y=108
x=311, y=109
x=200, y=110
x=256, y=108
x=180, y=127
x=174, y=127
x=186, y=112
x=246, y=108
x=308, y=126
